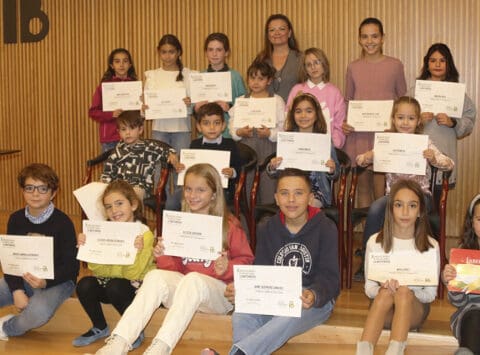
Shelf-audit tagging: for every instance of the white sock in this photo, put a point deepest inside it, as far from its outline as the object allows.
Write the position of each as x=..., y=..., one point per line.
x=396, y=347
x=364, y=348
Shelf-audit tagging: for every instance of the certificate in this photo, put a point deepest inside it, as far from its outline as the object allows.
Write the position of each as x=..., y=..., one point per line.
x=109, y=243
x=306, y=151
x=370, y=115
x=440, y=96
x=211, y=86
x=408, y=267
x=20, y=254
x=218, y=158
x=270, y=290
x=90, y=199
x=192, y=235
x=124, y=95
x=255, y=112
x=167, y=103
x=467, y=264
x=400, y=153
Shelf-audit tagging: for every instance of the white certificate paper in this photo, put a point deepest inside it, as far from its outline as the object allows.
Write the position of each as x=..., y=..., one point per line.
x=167, y=103
x=90, y=199
x=218, y=158
x=109, y=243
x=211, y=86
x=370, y=115
x=192, y=235
x=408, y=267
x=306, y=151
x=124, y=95
x=269, y=290
x=20, y=254
x=440, y=96
x=400, y=153
x=255, y=112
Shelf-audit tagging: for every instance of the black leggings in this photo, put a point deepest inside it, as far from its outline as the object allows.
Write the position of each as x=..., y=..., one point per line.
x=469, y=331
x=118, y=292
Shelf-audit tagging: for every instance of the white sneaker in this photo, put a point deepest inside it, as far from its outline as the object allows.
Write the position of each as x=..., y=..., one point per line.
x=4, y=336
x=116, y=345
x=157, y=347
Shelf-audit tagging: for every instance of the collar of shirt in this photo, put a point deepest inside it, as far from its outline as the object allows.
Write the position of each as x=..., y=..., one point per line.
x=311, y=85
x=211, y=70
x=217, y=140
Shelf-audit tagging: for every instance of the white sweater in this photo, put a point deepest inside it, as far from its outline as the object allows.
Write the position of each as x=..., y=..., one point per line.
x=424, y=294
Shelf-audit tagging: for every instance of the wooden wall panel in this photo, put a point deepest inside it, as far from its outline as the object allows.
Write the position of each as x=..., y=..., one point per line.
x=47, y=86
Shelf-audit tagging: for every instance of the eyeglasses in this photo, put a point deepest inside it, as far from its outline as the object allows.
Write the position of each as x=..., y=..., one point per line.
x=43, y=189
x=315, y=63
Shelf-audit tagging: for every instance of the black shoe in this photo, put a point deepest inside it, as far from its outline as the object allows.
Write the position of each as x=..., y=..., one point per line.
x=359, y=275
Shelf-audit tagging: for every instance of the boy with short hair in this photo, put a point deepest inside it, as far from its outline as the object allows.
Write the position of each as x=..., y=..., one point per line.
x=298, y=235
x=36, y=298
x=134, y=158
x=211, y=123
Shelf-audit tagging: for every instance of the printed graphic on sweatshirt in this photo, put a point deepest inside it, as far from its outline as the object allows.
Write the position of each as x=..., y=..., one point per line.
x=294, y=254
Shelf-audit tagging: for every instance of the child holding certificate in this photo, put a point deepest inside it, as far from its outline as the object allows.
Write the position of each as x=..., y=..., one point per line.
x=261, y=138
x=374, y=76
x=120, y=68
x=465, y=322
x=37, y=299
x=405, y=119
x=299, y=235
x=211, y=123
x=306, y=116
x=217, y=49
x=395, y=306
x=134, y=158
x=315, y=76
x=115, y=284
x=438, y=65
x=185, y=285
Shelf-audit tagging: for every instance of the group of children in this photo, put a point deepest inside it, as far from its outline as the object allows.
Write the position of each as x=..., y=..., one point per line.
x=300, y=232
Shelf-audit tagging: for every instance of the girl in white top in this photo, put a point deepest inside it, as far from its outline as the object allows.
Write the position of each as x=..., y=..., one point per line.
x=172, y=74
x=396, y=306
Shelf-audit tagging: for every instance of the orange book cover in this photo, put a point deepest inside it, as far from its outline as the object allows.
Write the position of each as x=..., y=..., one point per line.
x=467, y=264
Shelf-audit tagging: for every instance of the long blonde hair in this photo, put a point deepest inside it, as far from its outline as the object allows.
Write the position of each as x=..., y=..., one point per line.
x=218, y=206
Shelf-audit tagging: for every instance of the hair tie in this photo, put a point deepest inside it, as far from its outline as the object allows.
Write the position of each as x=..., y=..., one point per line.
x=472, y=204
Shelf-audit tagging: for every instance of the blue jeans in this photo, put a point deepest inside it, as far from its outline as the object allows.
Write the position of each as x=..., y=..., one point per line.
x=42, y=304
x=256, y=334
x=178, y=141
x=376, y=216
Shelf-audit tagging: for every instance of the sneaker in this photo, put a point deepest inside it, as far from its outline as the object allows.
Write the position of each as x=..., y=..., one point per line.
x=91, y=336
x=359, y=275
x=139, y=341
x=209, y=351
x=4, y=336
x=157, y=347
x=116, y=345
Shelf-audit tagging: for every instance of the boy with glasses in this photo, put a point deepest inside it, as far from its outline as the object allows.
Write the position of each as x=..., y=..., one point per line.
x=35, y=298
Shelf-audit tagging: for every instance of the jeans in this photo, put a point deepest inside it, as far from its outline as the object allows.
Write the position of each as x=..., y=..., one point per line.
x=42, y=304
x=178, y=141
x=255, y=334
x=376, y=216
x=182, y=294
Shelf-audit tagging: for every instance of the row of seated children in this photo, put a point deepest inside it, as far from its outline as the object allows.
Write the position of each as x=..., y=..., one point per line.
x=207, y=286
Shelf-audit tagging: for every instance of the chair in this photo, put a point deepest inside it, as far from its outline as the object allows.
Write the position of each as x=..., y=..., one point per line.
x=437, y=219
x=354, y=216
x=334, y=212
x=156, y=201
x=240, y=199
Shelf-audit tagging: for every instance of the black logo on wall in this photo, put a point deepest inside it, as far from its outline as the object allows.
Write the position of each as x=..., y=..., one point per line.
x=28, y=10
